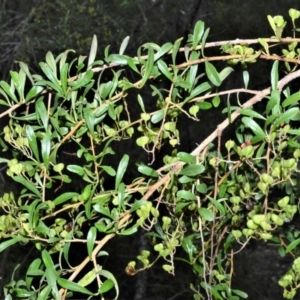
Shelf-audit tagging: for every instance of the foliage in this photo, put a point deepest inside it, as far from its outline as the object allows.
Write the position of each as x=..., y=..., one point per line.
x=210, y=202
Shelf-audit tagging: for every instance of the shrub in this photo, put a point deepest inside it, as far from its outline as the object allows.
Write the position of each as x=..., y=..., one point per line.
x=210, y=202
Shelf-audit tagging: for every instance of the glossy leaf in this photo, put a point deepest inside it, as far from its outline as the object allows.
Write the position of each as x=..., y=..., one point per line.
x=175, y=50
x=206, y=214
x=9, y=90
x=192, y=170
x=8, y=243
x=287, y=116
x=51, y=62
x=218, y=205
x=46, y=148
x=89, y=119
x=28, y=184
x=246, y=78
x=292, y=245
x=119, y=59
x=157, y=116
x=198, y=32
x=274, y=75
x=73, y=286
x=42, y=111
x=124, y=45
x=147, y=171
x=106, y=286
x=110, y=276
x=148, y=67
x=64, y=197
x=250, y=123
x=121, y=170
x=93, y=51
x=162, y=66
x=251, y=113
x=291, y=99
x=109, y=170
x=212, y=74
x=34, y=266
x=186, y=157
x=33, y=92
x=91, y=237
x=76, y=169
x=204, y=41
x=186, y=195
x=88, y=278
x=30, y=134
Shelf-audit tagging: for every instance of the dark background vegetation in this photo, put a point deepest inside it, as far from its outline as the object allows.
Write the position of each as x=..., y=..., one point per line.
x=29, y=29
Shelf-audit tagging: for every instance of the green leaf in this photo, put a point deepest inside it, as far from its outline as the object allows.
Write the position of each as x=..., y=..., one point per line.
x=197, y=34
x=212, y=74
x=106, y=286
x=175, y=50
x=287, y=116
x=218, y=205
x=162, y=66
x=274, y=75
x=33, y=92
x=204, y=40
x=246, y=78
x=91, y=237
x=42, y=111
x=206, y=214
x=240, y=293
x=119, y=59
x=64, y=77
x=121, y=170
x=46, y=148
x=147, y=171
x=187, y=195
x=51, y=76
x=28, y=184
x=89, y=119
x=157, y=116
x=186, y=157
x=32, y=141
x=124, y=45
x=225, y=73
x=203, y=87
x=33, y=267
x=165, y=48
x=73, y=286
x=180, y=206
x=76, y=169
x=110, y=276
x=291, y=99
x=93, y=51
x=88, y=278
x=188, y=246
x=216, y=101
x=201, y=188
x=204, y=105
x=251, y=113
x=51, y=62
x=82, y=81
x=192, y=170
x=64, y=197
x=148, y=67
x=8, y=243
x=250, y=123
x=9, y=91
x=292, y=245
x=109, y=170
